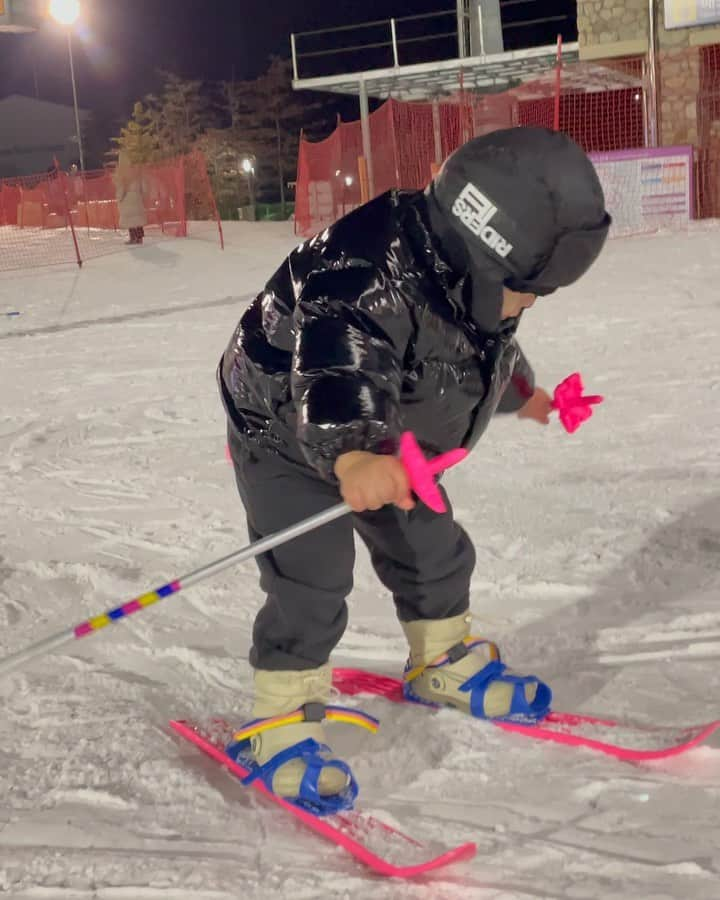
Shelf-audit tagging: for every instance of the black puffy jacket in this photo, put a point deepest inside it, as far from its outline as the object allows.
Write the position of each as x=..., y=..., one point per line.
x=362, y=333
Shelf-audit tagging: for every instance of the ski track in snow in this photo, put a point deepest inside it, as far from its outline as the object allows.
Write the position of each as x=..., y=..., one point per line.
x=598, y=567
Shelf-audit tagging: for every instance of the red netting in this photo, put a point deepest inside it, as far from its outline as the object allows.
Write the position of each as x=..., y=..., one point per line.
x=708, y=158
x=603, y=106
x=59, y=218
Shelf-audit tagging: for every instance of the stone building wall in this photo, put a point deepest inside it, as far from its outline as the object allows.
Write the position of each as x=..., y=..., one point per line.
x=609, y=29
x=605, y=23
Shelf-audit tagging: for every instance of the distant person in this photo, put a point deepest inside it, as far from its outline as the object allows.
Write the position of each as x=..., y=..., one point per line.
x=56, y=200
x=75, y=181
x=130, y=191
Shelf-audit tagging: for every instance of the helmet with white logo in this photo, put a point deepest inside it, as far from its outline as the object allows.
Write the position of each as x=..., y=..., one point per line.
x=522, y=207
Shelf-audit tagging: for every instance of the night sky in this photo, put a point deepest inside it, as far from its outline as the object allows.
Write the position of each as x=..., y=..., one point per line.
x=122, y=43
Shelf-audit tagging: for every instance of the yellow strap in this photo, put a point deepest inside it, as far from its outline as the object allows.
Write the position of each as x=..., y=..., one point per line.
x=298, y=716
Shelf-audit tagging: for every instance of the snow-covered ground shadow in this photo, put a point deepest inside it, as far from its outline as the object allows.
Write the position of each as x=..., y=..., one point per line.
x=659, y=606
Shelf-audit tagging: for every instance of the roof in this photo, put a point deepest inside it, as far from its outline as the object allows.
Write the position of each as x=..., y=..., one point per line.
x=489, y=74
x=24, y=99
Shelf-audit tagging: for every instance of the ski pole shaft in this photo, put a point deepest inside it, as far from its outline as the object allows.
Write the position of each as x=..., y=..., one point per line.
x=420, y=475
x=90, y=626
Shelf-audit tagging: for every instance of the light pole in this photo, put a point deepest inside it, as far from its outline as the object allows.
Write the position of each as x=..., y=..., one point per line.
x=66, y=13
x=248, y=167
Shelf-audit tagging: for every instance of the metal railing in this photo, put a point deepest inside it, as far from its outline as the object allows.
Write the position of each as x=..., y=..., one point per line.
x=392, y=35
x=388, y=37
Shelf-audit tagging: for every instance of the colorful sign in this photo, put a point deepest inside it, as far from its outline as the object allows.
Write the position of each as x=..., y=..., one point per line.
x=687, y=13
x=647, y=189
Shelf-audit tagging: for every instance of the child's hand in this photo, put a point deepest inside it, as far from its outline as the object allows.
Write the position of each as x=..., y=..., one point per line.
x=538, y=407
x=370, y=480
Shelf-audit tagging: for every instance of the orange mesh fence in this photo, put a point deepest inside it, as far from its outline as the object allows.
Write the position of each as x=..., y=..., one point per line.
x=602, y=106
x=64, y=218
x=707, y=179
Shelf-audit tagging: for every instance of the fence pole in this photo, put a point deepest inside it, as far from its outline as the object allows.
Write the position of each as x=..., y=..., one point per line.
x=392, y=108
x=68, y=215
x=203, y=164
x=366, y=141
x=363, y=178
x=437, y=132
x=653, y=131
x=558, y=84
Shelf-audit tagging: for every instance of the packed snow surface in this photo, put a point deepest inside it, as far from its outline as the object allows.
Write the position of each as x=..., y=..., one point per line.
x=598, y=569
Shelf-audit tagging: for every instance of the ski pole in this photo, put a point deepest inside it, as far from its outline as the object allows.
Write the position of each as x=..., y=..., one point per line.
x=420, y=472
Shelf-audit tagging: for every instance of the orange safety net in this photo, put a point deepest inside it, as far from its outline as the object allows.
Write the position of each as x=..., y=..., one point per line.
x=61, y=217
x=707, y=175
x=602, y=106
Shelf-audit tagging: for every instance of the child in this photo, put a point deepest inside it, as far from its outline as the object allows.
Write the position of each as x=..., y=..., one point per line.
x=401, y=316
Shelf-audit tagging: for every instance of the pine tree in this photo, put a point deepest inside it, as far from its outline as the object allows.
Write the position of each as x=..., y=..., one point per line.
x=180, y=114
x=139, y=137
x=224, y=150
x=266, y=115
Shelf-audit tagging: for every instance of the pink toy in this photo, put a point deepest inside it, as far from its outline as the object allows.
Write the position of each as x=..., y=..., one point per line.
x=573, y=408
x=421, y=472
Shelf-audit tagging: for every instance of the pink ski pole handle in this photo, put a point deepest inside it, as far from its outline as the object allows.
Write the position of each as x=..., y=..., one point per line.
x=572, y=406
x=421, y=472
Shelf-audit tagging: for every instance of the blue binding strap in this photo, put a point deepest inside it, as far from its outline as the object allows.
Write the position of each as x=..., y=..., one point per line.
x=309, y=796
x=520, y=710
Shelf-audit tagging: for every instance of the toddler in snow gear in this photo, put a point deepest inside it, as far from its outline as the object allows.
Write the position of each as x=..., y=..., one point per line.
x=402, y=316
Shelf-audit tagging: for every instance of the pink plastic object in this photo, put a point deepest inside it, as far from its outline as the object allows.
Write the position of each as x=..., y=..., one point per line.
x=346, y=830
x=559, y=727
x=422, y=472
x=572, y=406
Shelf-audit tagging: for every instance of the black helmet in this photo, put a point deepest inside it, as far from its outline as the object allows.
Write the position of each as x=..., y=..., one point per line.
x=522, y=207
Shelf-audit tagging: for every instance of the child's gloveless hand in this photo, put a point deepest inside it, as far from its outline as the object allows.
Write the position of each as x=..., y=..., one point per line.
x=538, y=407
x=371, y=480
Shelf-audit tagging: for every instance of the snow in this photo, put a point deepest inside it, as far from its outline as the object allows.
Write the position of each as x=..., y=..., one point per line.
x=598, y=568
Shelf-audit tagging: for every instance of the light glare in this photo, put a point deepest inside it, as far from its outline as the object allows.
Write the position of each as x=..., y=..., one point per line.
x=65, y=12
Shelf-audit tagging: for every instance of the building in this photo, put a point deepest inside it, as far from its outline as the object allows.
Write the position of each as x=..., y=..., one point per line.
x=35, y=132
x=680, y=53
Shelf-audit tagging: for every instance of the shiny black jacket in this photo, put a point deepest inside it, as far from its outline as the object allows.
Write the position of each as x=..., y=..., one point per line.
x=362, y=333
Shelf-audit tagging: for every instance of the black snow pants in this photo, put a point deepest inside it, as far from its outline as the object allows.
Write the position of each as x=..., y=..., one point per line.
x=424, y=559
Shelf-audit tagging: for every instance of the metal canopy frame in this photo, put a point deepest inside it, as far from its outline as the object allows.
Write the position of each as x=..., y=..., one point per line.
x=491, y=73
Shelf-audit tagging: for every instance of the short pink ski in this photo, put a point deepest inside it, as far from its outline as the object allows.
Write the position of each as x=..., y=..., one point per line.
x=626, y=740
x=382, y=848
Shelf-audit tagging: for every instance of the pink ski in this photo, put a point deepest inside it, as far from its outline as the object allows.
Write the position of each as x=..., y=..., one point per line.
x=382, y=848
x=626, y=740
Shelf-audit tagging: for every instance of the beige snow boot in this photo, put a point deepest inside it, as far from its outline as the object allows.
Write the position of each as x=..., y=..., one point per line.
x=443, y=659
x=278, y=694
